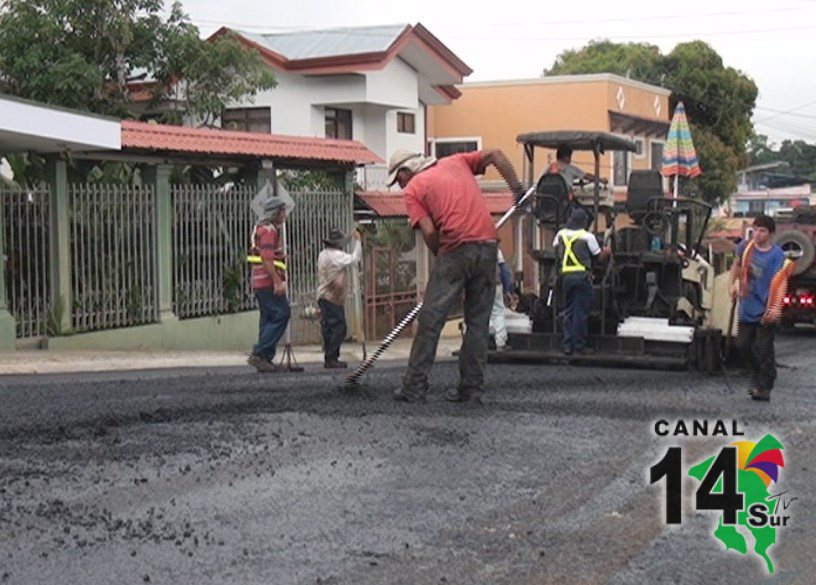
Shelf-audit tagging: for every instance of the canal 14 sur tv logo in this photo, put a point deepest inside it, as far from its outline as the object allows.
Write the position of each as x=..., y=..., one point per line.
x=735, y=481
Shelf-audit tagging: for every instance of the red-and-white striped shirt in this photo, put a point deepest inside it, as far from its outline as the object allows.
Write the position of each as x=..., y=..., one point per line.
x=270, y=247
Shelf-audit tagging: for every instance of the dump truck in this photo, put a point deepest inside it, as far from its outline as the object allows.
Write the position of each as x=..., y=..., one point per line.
x=796, y=234
x=658, y=301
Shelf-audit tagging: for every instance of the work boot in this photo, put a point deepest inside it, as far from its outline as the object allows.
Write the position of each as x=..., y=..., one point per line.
x=400, y=395
x=457, y=395
x=335, y=365
x=261, y=364
x=761, y=395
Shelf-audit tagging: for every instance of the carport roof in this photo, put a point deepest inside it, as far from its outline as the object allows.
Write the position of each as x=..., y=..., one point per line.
x=32, y=126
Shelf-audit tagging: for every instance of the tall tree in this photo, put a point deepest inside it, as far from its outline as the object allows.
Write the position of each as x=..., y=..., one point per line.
x=719, y=99
x=84, y=54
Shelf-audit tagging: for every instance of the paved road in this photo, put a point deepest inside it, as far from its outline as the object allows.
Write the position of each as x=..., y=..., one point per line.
x=224, y=476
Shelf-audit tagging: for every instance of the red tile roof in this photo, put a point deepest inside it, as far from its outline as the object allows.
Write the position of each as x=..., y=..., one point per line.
x=181, y=139
x=392, y=205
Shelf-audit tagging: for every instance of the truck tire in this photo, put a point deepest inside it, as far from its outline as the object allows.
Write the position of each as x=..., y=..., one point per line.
x=796, y=240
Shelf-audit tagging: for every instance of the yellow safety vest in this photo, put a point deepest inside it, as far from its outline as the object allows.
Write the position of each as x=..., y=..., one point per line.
x=570, y=262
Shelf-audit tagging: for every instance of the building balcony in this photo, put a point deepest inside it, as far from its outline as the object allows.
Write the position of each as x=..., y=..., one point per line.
x=372, y=178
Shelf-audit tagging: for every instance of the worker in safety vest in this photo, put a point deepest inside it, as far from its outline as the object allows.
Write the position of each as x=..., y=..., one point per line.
x=564, y=167
x=269, y=282
x=575, y=249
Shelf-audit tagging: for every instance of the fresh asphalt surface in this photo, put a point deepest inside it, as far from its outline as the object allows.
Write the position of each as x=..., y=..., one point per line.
x=225, y=476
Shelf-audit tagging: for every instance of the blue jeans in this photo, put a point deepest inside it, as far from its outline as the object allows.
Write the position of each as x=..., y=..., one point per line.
x=578, y=304
x=275, y=314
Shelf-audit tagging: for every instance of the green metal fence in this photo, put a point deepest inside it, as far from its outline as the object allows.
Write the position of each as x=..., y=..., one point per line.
x=113, y=261
x=212, y=227
x=26, y=243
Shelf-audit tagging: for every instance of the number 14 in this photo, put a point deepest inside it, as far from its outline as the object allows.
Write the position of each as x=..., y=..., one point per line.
x=727, y=499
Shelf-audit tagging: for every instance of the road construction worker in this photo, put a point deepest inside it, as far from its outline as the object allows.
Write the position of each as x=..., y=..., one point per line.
x=332, y=265
x=504, y=288
x=269, y=283
x=563, y=166
x=445, y=203
x=758, y=279
x=575, y=248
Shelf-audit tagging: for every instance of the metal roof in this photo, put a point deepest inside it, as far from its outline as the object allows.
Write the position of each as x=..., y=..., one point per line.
x=577, y=140
x=315, y=44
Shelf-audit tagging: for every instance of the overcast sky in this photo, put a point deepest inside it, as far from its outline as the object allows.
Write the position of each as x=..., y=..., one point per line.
x=773, y=42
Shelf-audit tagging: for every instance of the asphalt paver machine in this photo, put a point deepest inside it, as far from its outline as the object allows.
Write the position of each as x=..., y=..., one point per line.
x=657, y=302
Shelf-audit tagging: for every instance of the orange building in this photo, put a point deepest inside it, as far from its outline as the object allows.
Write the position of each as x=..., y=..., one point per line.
x=492, y=114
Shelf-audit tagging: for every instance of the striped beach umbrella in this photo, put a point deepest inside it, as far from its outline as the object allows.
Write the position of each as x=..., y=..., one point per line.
x=679, y=157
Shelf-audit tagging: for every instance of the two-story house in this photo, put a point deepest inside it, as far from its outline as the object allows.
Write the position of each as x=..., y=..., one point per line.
x=372, y=84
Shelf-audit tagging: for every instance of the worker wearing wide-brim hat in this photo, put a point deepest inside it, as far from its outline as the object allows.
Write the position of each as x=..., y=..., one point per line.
x=332, y=265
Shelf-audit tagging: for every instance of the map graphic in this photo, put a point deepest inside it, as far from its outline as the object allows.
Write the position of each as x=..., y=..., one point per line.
x=757, y=466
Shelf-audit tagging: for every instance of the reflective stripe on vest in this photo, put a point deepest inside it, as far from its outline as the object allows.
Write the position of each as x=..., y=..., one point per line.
x=570, y=262
x=253, y=259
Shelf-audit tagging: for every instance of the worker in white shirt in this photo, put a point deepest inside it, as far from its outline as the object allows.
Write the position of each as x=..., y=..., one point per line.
x=498, y=323
x=331, y=291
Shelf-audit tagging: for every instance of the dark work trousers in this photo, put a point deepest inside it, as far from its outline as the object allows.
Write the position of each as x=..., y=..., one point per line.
x=755, y=343
x=577, y=306
x=470, y=268
x=333, y=322
x=275, y=313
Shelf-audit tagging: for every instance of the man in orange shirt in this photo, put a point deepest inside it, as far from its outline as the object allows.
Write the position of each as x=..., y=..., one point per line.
x=445, y=203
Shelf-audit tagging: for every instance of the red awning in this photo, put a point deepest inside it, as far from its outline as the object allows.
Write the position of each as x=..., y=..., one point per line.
x=143, y=136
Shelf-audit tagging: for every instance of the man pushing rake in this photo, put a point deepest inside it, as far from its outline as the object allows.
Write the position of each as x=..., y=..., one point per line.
x=445, y=203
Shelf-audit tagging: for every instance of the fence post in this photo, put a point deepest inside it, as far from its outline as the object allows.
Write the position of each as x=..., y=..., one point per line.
x=357, y=288
x=159, y=177
x=8, y=326
x=62, y=307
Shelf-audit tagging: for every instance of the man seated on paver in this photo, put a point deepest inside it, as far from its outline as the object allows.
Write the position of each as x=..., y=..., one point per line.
x=563, y=166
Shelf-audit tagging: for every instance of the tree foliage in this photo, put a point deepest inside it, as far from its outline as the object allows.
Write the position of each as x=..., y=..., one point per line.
x=719, y=99
x=85, y=54
x=799, y=154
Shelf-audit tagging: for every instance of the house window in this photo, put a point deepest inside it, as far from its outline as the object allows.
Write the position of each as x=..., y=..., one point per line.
x=338, y=123
x=447, y=148
x=247, y=120
x=657, y=155
x=620, y=168
x=640, y=143
x=406, y=123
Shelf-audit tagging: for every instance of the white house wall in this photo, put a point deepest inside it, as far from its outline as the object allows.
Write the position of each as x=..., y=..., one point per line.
x=298, y=105
x=395, y=86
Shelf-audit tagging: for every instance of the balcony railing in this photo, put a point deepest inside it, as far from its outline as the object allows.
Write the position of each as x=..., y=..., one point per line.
x=373, y=178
